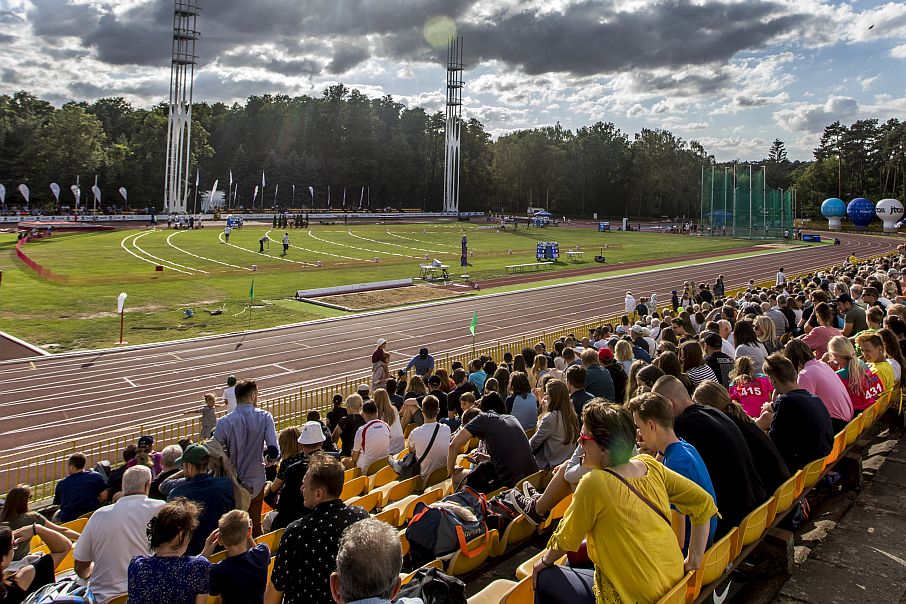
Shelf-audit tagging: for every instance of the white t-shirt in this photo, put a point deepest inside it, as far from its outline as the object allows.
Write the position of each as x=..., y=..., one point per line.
x=728, y=349
x=113, y=535
x=227, y=230
x=781, y=278
x=397, y=439
x=437, y=456
x=376, y=437
x=229, y=395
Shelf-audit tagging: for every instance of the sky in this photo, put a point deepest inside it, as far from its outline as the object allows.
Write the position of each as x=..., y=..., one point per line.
x=731, y=74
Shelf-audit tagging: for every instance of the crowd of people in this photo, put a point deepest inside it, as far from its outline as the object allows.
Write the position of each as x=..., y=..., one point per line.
x=697, y=413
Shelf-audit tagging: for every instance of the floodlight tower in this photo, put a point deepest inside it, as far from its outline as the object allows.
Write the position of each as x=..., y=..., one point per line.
x=453, y=125
x=179, y=131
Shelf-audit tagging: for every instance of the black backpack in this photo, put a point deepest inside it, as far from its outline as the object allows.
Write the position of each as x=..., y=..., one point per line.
x=434, y=587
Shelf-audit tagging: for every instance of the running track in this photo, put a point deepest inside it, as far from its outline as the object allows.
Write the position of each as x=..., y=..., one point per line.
x=78, y=397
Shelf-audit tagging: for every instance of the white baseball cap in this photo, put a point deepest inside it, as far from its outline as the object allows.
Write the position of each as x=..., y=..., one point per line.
x=381, y=341
x=312, y=433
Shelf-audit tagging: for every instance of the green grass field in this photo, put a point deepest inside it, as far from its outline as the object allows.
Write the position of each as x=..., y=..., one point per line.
x=203, y=273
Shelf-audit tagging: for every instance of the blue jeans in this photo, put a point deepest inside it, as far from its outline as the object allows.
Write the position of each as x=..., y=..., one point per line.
x=565, y=585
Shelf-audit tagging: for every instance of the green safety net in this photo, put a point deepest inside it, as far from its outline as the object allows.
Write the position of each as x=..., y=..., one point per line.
x=736, y=201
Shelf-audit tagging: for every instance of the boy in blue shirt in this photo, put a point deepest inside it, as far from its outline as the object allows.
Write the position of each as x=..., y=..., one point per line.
x=242, y=577
x=653, y=415
x=82, y=491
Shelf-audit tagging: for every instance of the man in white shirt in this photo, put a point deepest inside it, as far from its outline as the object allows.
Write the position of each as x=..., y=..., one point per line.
x=372, y=441
x=229, y=394
x=629, y=303
x=726, y=332
x=781, y=277
x=420, y=438
x=115, y=534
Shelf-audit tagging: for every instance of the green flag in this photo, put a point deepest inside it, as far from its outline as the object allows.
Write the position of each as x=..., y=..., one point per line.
x=474, y=323
x=252, y=292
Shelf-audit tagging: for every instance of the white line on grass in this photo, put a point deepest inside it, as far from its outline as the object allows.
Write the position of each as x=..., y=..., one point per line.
x=305, y=249
x=149, y=255
x=174, y=246
x=405, y=247
x=420, y=241
x=128, y=251
x=312, y=235
x=260, y=254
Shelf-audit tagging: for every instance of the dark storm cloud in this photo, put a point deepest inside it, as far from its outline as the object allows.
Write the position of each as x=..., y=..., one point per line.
x=592, y=37
x=347, y=56
x=684, y=84
x=57, y=18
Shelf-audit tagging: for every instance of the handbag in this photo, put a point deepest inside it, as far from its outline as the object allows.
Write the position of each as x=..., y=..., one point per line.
x=642, y=497
x=411, y=465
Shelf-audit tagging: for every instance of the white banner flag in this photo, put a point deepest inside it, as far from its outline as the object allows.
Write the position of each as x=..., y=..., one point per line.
x=361, y=198
x=254, y=196
x=23, y=189
x=121, y=302
x=96, y=190
x=124, y=193
x=55, y=189
x=344, y=196
x=312, y=191
x=231, y=179
x=197, y=177
x=328, y=196
x=77, y=193
x=262, y=181
x=213, y=191
x=2, y=194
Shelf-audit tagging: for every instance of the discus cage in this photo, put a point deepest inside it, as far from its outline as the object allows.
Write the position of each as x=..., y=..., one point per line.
x=737, y=202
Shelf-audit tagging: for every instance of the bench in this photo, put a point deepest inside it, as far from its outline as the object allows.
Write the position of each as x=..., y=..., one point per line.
x=575, y=256
x=531, y=266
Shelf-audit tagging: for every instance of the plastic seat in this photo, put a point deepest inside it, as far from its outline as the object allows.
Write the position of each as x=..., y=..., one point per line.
x=437, y=476
x=530, y=432
x=784, y=496
x=714, y=562
x=351, y=473
x=525, y=569
x=853, y=430
x=556, y=513
x=120, y=599
x=869, y=416
x=399, y=456
x=493, y=593
x=376, y=465
x=535, y=480
x=77, y=525
x=270, y=568
x=354, y=487
x=218, y=557
x=368, y=501
x=521, y=593
x=398, y=489
x=837, y=450
x=390, y=516
x=404, y=543
x=408, y=430
x=475, y=553
x=752, y=526
x=271, y=540
x=677, y=595
x=406, y=578
x=384, y=476
x=407, y=505
x=811, y=473
x=517, y=531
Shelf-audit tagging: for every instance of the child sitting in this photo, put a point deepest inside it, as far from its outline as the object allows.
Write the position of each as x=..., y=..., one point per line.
x=242, y=577
x=749, y=389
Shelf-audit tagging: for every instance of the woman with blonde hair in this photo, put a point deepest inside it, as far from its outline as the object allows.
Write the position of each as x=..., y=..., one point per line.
x=622, y=352
x=346, y=428
x=766, y=332
x=388, y=414
x=558, y=428
x=632, y=382
x=749, y=388
x=539, y=370
x=861, y=383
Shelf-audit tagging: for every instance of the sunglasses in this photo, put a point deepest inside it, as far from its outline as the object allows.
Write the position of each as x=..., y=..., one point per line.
x=584, y=437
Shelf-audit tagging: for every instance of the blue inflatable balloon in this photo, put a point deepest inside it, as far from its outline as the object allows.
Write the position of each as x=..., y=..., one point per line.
x=861, y=211
x=833, y=207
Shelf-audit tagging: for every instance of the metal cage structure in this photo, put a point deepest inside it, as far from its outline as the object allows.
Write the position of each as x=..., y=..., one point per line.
x=453, y=146
x=737, y=201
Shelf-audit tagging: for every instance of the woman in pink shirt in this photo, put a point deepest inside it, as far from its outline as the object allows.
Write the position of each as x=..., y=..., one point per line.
x=822, y=381
x=748, y=389
x=818, y=338
x=861, y=383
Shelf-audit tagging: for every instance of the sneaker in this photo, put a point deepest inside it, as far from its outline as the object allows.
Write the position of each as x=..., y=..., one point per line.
x=525, y=505
x=530, y=491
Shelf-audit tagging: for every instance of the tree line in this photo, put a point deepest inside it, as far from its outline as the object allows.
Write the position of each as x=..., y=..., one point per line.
x=380, y=153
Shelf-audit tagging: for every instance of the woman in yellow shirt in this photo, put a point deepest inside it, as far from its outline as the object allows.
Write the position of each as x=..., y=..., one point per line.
x=629, y=539
x=874, y=356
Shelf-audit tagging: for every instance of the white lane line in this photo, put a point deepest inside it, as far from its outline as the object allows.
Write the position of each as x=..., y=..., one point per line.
x=260, y=254
x=320, y=252
x=161, y=260
x=420, y=241
x=174, y=246
x=130, y=252
x=279, y=366
x=384, y=243
x=130, y=382
x=385, y=253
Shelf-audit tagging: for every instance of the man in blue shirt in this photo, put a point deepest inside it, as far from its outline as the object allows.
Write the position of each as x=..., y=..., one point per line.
x=653, y=415
x=82, y=491
x=214, y=494
x=423, y=363
x=243, y=434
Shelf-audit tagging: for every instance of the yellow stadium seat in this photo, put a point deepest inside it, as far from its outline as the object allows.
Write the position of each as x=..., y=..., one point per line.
x=398, y=489
x=390, y=516
x=271, y=540
x=399, y=456
x=270, y=568
x=785, y=495
x=354, y=487
x=811, y=473
x=77, y=525
x=516, y=531
x=869, y=416
x=536, y=480
x=385, y=475
x=556, y=513
x=521, y=593
x=493, y=593
x=408, y=430
x=677, y=595
x=368, y=502
x=714, y=562
x=404, y=542
x=121, y=599
x=475, y=553
x=407, y=505
x=853, y=430
x=406, y=578
x=530, y=432
x=351, y=473
x=437, y=476
x=752, y=527
x=375, y=466
x=837, y=450
x=218, y=557
x=525, y=569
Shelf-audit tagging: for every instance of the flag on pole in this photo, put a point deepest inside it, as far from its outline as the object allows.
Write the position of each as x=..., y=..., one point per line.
x=252, y=292
x=197, y=177
x=474, y=324
x=262, y=181
x=231, y=179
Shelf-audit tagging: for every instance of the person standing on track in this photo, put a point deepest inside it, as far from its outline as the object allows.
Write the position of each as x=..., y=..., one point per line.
x=285, y=243
x=226, y=233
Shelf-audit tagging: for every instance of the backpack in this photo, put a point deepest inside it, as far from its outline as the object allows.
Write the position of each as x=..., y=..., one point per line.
x=434, y=587
x=445, y=527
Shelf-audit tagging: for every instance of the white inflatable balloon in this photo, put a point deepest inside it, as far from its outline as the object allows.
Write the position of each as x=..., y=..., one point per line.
x=890, y=211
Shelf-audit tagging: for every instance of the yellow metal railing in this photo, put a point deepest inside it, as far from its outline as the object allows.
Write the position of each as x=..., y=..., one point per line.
x=42, y=471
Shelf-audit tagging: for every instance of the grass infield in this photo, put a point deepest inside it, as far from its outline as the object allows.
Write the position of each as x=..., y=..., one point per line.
x=204, y=273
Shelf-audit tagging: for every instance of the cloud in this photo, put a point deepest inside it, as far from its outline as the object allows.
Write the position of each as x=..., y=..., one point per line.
x=345, y=57
x=898, y=52
x=805, y=117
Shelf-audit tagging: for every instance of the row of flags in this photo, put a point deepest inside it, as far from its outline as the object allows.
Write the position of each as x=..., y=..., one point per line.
x=25, y=192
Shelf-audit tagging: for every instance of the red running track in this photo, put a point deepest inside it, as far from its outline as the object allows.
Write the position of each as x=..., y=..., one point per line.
x=80, y=397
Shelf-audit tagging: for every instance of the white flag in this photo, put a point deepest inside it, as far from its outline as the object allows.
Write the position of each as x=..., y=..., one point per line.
x=361, y=198
x=197, y=177
x=124, y=193
x=23, y=189
x=328, y=196
x=2, y=194
x=262, y=181
x=213, y=192
x=77, y=193
x=254, y=195
x=276, y=188
x=231, y=179
x=97, y=192
x=55, y=189
x=312, y=191
x=344, y=196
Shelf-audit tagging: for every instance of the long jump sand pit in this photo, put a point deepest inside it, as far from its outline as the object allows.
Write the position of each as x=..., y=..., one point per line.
x=385, y=298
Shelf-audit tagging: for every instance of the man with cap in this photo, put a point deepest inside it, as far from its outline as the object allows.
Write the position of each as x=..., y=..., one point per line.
x=719, y=362
x=434, y=385
x=853, y=315
x=290, y=506
x=617, y=373
x=597, y=379
x=145, y=445
x=423, y=363
x=363, y=390
x=213, y=494
x=629, y=303
x=229, y=393
x=378, y=355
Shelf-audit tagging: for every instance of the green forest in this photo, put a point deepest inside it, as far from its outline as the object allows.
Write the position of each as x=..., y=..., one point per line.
x=344, y=139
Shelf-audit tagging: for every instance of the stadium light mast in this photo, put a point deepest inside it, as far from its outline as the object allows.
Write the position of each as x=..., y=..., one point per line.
x=182, y=79
x=453, y=125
